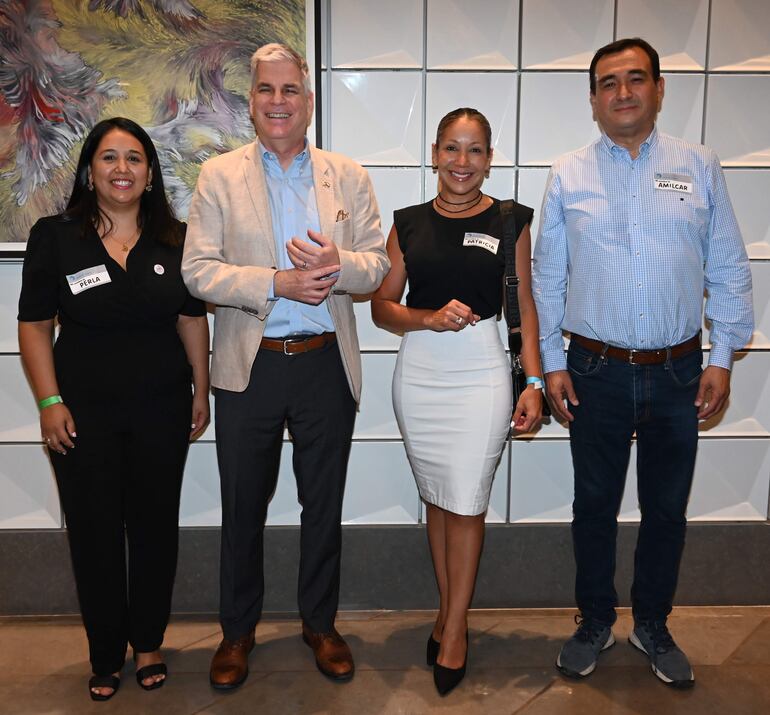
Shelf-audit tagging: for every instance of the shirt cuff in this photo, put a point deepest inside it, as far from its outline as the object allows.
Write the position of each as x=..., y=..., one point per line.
x=554, y=360
x=721, y=356
x=271, y=290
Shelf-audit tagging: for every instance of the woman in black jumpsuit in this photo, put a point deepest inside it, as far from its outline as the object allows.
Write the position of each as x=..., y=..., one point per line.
x=116, y=390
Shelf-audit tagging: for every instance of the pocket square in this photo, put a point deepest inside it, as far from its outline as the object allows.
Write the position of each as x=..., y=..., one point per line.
x=342, y=215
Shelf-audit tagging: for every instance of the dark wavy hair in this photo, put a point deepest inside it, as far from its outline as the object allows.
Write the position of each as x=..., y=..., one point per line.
x=460, y=112
x=156, y=218
x=618, y=46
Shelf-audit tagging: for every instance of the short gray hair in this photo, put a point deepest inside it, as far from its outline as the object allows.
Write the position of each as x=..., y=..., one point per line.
x=276, y=52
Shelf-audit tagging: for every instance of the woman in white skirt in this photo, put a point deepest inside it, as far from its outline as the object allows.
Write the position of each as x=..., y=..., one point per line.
x=452, y=383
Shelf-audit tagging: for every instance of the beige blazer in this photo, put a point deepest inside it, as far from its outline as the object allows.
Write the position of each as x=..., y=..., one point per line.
x=230, y=254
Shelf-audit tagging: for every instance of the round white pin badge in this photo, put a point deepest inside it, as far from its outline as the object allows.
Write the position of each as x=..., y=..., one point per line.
x=160, y=270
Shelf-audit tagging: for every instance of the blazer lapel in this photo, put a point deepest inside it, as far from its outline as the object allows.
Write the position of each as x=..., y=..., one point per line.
x=254, y=174
x=323, y=182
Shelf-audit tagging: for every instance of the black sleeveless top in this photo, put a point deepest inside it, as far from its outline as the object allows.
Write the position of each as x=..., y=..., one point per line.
x=460, y=258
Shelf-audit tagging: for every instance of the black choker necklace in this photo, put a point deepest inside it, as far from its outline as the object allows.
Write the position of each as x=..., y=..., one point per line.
x=457, y=211
x=457, y=203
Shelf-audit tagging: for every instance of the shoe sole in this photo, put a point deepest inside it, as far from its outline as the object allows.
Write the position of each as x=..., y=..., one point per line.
x=679, y=684
x=590, y=669
x=228, y=686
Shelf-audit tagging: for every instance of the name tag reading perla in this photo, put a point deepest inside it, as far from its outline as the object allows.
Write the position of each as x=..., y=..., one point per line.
x=88, y=278
x=674, y=182
x=482, y=241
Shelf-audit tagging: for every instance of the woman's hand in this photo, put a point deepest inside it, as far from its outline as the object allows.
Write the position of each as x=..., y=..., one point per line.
x=528, y=411
x=453, y=316
x=57, y=428
x=200, y=413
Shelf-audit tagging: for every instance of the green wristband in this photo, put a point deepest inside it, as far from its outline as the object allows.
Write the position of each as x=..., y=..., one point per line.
x=48, y=401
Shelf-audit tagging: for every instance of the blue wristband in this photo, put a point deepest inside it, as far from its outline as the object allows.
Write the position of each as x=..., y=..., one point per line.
x=536, y=381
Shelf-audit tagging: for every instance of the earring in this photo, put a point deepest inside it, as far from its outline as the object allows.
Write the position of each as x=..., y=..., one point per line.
x=148, y=188
x=486, y=174
x=435, y=168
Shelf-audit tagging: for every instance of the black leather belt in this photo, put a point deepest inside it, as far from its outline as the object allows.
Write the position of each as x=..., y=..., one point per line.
x=638, y=357
x=299, y=344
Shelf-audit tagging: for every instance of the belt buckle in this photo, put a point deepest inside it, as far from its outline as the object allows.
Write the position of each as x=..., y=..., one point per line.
x=290, y=341
x=631, y=354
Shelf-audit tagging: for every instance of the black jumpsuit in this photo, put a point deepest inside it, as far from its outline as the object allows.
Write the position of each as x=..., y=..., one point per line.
x=124, y=375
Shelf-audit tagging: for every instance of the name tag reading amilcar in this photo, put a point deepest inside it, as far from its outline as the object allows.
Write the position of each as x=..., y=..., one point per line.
x=88, y=278
x=482, y=241
x=674, y=182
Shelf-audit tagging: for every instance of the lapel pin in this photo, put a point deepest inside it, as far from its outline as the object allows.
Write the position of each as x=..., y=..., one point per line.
x=326, y=184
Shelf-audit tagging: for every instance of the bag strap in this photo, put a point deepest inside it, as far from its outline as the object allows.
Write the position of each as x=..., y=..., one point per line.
x=511, y=280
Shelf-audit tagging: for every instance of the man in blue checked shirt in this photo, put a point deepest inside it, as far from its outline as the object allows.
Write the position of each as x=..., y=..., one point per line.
x=635, y=229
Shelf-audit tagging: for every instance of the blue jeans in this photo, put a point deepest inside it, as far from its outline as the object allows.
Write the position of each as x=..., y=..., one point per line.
x=618, y=399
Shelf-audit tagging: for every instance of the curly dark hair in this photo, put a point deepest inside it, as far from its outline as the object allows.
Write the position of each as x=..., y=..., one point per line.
x=156, y=216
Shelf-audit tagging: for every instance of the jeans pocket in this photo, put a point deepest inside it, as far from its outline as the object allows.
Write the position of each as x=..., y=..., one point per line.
x=582, y=362
x=686, y=371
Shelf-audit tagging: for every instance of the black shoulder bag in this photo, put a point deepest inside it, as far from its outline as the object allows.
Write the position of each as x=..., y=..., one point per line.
x=512, y=314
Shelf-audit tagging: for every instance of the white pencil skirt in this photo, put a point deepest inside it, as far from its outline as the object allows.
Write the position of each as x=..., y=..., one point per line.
x=452, y=398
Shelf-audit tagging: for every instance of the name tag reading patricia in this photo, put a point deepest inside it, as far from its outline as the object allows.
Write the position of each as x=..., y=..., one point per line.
x=674, y=182
x=482, y=241
x=88, y=278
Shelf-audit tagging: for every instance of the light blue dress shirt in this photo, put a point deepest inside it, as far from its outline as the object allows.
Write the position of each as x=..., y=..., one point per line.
x=625, y=259
x=293, y=210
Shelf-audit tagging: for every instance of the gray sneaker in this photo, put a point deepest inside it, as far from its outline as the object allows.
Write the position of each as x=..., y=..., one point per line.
x=579, y=654
x=667, y=660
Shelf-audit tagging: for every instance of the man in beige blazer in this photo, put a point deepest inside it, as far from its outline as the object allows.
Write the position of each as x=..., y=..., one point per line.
x=280, y=235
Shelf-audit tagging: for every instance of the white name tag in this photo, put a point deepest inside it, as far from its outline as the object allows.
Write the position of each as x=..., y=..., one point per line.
x=88, y=278
x=482, y=241
x=674, y=182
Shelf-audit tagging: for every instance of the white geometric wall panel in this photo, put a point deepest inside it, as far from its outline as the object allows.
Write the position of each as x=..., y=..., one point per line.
x=19, y=416
x=379, y=489
x=490, y=32
x=760, y=276
x=10, y=288
x=682, y=113
x=376, y=419
x=394, y=188
x=555, y=116
x=748, y=407
x=749, y=190
x=736, y=119
x=740, y=41
x=29, y=496
x=376, y=116
x=372, y=35
x=492, y=93
x=677, y=30
x=564, y=35
x=531, y=189
x=370, y=337
x=731, y=482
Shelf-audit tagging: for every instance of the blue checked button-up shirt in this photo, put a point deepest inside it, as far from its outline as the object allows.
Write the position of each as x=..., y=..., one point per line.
x=626, y=262
x=293, y=209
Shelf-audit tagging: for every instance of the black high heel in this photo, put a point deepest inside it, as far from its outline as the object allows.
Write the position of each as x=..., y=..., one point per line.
x=148, y=671
x=103, y=681
x=431, y=652
x=447, y=679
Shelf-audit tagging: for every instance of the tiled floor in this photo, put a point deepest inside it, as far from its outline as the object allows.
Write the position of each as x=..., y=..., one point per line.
x=44, y=669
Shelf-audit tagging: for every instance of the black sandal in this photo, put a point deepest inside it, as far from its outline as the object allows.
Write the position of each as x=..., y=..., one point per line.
x=148, y=671
x=103, y=681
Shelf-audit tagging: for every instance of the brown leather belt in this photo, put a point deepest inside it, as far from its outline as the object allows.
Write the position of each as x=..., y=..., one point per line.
x=638, y=357
x=300, y=344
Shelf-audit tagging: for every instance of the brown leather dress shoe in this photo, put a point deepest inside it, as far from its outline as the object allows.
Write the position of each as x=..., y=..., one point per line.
x=230, y=664
x=332, y=655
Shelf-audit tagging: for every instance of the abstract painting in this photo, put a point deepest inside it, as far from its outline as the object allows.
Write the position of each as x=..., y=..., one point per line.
x=180, y=68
